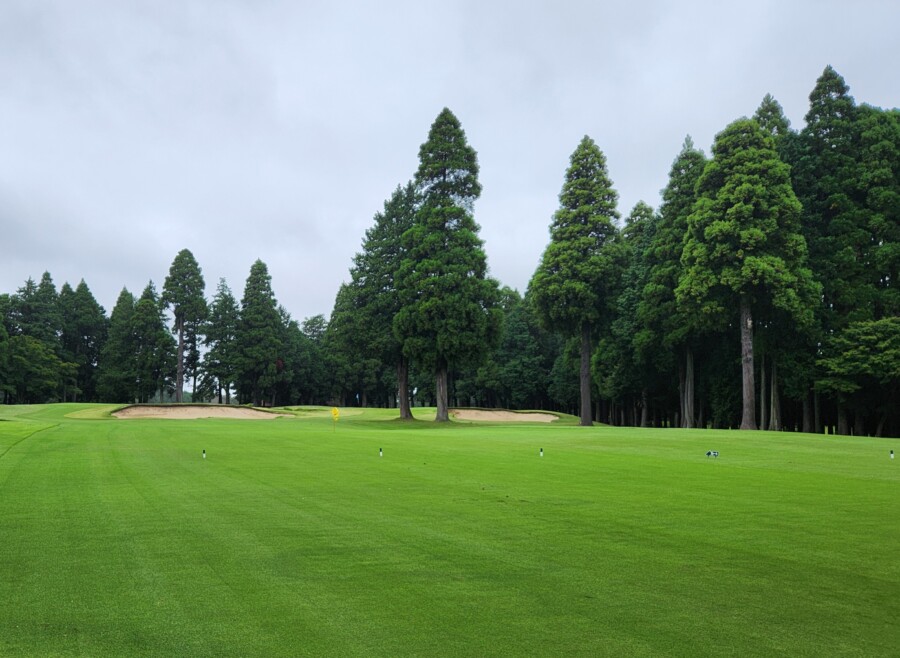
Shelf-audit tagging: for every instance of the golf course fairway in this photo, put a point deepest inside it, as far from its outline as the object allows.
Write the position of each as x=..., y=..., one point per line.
x=302, y=536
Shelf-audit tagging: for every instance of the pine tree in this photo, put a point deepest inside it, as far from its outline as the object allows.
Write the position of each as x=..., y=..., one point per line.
x=448, y=316
x=574, y=285
x=184, y=292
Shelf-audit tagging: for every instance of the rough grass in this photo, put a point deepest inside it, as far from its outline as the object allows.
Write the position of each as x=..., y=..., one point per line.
x=295, y=538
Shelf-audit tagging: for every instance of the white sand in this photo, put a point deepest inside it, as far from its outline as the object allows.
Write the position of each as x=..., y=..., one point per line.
x=503, y=416
x=189, y=412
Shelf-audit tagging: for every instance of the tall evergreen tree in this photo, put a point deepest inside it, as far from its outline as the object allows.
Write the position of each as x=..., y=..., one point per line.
x=744, y=247
x=664, y=328
x=35, y=312
x=84, y=327
x=219, y=337
x=184, y=292
x=630, y=373
x=374, y=292
x=116, y=374
x=574, y=285
x=259, y=338
x=770, y=117
x=448, y=316
x=154, y=354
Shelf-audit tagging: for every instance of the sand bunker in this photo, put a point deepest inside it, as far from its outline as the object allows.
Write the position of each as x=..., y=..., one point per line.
x=503, y=416
x=189, y=412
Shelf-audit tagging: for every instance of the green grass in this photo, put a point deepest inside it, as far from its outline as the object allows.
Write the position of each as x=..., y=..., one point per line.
x=294, y=538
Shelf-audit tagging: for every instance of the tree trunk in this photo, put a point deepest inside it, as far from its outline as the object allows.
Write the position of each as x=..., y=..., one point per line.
x=644, y=410
x=842, y=426
x=443, y=413
x=817, y=413
x=880, y=429
x=403, y=395
x=859, y=424
x=687, y=418
x=586, y=420
x=748, y=417
x=775, y=416
x=179, y=378
x=807, y=414
x=763, y=398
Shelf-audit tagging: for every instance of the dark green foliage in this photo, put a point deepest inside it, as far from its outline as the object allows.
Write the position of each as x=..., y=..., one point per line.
x=220, y=338
x=770, y=117
x=368, y=356
x=516, y=374
x=575, y=284
x=447, y=317
x=153, y=348
x=826, y=180
x=258, y=358
x=879, y=182
x=563, y=386
x=34, y=312
x=448, y=166
x=314, y=375
x=116, y=373
x=6, y=387
x=35, y=372
x=861, y=366
x=664, y=323
x=84, y=330
x=571, y=285
x=744, y=247
x=184, y=292
x=521, y=357
x=624, y=372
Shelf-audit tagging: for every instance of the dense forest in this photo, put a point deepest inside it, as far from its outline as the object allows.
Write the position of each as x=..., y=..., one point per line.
x=761, y=293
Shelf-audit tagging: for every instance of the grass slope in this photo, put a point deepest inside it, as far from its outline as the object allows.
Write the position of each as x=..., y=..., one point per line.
x=295, y=538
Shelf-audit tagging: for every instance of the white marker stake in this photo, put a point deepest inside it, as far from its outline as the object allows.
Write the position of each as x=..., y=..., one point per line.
x=204, y=454
x=380, y=453
x=542, y=452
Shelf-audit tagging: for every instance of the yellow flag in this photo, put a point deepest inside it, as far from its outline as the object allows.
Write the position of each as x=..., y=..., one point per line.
x=335, y=413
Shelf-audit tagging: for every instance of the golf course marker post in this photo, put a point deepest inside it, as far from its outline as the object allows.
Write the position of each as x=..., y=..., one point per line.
x=335, y=416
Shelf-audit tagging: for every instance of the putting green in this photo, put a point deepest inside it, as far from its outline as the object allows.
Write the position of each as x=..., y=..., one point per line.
x=293, y=537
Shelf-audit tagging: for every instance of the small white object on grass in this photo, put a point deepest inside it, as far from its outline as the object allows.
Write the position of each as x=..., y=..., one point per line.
x=542, y=452
x=204, y=453
x=892, y=454
x=380, y=453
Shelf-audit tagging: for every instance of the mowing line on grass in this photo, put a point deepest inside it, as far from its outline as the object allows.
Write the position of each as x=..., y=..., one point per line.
x=27, y=436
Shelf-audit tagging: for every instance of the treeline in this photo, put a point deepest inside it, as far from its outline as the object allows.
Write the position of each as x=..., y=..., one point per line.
x=761, y=293
x=62, y=346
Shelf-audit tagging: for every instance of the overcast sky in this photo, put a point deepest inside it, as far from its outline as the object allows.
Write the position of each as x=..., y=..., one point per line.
x=272, y=129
